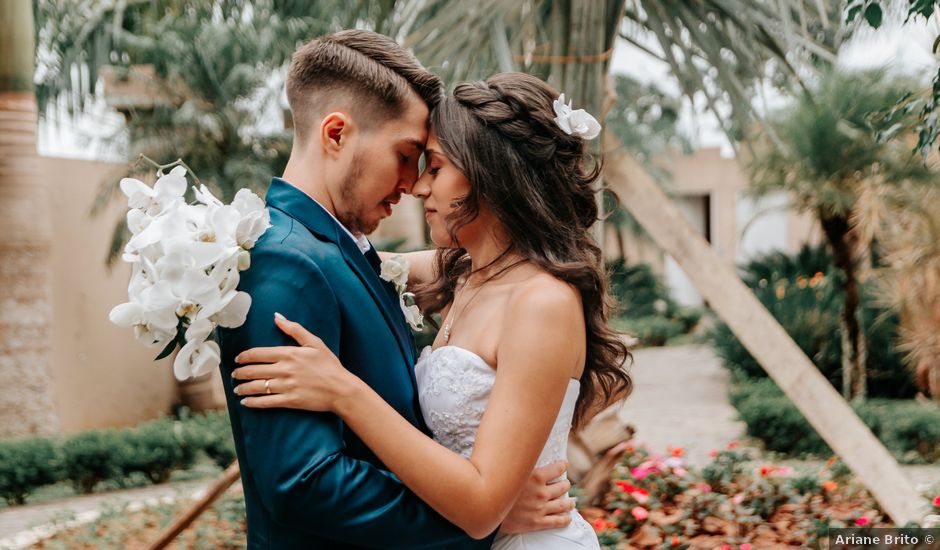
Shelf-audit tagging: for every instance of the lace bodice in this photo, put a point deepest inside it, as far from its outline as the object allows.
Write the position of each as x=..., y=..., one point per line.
x=454, y=385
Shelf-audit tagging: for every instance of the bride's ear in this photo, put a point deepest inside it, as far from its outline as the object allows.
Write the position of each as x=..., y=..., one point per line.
x=335, y=129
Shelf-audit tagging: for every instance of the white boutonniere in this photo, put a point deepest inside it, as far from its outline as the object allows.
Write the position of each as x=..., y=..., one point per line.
x=395, y=270
x=576, y=122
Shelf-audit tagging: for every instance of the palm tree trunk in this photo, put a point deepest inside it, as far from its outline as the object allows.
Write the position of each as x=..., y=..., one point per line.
x=854, y=350
x=27, y=406
x=582, y=39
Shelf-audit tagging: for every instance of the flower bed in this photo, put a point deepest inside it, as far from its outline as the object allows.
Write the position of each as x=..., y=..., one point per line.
x=732, y=503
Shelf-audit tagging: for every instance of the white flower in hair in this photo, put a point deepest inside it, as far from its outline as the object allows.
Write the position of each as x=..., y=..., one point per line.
x=575, y=122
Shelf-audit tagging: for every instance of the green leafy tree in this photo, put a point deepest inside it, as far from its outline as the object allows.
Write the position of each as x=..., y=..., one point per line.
x=829, y=151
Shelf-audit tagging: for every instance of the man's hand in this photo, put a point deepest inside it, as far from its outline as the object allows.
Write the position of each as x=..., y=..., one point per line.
x=541, y=505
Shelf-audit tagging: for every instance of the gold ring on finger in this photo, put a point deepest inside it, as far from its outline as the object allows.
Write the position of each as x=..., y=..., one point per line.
x=267, y=386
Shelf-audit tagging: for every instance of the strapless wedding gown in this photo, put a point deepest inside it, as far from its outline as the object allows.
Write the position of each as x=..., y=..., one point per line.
x=454, y=385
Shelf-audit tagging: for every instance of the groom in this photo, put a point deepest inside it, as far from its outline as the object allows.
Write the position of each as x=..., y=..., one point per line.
x=360, y=107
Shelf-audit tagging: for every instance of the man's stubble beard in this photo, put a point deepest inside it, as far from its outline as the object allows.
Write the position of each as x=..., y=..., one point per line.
x=353, y=217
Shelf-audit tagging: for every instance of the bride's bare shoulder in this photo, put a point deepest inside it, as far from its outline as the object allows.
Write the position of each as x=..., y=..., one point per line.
x=544, y=296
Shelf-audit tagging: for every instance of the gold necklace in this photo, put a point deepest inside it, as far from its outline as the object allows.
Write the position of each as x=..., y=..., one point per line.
x=445, y=331
x=452, y=314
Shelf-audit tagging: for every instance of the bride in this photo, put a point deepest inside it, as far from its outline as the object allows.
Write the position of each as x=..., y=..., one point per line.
x=524, y=352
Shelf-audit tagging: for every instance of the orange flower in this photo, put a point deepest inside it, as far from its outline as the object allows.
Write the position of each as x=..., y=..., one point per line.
x=678, y=451
x=599, y=524
x=675, y=541
x=829, y=485
x=831, y=461
x=862, y=521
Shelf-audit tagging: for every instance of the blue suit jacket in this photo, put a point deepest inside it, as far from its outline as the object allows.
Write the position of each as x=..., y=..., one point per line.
x=309, y=481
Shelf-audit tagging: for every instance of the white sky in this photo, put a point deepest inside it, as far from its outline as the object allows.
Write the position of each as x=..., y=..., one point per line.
x=907, y=47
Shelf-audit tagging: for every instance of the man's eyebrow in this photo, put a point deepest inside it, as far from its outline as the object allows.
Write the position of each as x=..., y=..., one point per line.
x=414, y=143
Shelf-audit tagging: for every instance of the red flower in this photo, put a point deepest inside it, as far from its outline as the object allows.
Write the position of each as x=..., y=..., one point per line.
x=617, y=512
x=713, y=454
x=936, y=502
x=766, y=470
x=862, y=521
x=599, y=524
x=675, y=541
x=734, y=445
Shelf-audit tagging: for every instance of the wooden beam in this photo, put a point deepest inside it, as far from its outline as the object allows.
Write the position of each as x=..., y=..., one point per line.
x=763, y=337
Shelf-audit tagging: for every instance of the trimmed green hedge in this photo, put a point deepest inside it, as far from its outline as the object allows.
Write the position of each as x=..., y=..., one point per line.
x=908, y=428
x=153, y=449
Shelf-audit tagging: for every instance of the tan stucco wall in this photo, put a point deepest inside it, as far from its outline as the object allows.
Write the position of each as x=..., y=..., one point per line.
x=102, y=377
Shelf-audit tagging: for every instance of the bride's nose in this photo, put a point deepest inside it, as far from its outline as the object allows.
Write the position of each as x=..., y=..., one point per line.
x=422, y=187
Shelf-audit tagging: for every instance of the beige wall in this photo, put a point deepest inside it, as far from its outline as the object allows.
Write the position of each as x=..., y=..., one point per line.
x=102, y=377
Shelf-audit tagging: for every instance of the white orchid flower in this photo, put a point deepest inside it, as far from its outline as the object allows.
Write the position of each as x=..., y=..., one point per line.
x=166, y=192
x=575, y=122
x=412, y=313
x=198, y=356
x=234, y=311
x=255, y=218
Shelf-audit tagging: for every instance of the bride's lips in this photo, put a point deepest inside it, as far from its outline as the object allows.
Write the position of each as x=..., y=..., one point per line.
x=428, y=212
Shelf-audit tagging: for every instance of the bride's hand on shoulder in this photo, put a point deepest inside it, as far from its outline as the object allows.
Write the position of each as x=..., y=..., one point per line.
x=308, y=377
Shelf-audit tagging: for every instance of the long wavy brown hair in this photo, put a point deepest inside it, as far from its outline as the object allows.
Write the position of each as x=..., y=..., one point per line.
x=501, y=134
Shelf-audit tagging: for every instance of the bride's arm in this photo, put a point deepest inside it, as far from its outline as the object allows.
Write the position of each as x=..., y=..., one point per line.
x=535, y=362
x=421, y=262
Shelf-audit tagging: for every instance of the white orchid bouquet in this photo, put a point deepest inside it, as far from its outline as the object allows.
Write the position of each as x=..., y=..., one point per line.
x=186, y=259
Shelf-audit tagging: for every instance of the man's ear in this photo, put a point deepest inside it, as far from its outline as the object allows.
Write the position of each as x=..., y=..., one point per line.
x=335, y=129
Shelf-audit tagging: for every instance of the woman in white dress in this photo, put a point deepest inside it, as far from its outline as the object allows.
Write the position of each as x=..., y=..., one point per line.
x=524, y=351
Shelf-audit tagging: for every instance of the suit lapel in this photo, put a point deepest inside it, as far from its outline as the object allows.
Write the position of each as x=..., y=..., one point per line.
x=380, y=293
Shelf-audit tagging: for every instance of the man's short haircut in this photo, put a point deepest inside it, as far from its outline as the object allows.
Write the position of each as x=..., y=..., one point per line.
x=371, y=70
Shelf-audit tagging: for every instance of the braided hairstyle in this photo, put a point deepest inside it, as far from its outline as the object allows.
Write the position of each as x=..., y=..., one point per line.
x=501, y=135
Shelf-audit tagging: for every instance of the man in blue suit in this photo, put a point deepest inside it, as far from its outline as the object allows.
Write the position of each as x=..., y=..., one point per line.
x=360, y=106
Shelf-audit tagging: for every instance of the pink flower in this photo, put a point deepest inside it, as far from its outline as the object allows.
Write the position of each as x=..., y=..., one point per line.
x=738, y=498
x=639, y=473
x=640, y=513
x=745, y=546
x=704, y=487
x=725, y=547
x=713, y=454
x=681, y=472
x=862, y=521
x=617, y=512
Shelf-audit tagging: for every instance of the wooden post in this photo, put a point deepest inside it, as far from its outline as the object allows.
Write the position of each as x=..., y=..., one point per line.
x=229, y=476
x=763, y=337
